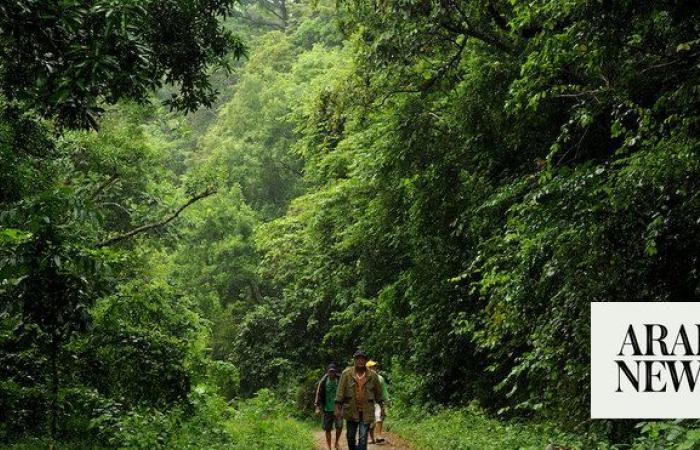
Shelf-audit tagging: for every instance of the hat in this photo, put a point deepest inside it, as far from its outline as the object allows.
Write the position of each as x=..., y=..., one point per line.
x=359, y=353
x=332, y=367
x=372, y=363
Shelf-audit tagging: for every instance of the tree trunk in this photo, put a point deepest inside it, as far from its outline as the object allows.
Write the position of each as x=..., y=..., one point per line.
x=54, y=350
x=283, y=13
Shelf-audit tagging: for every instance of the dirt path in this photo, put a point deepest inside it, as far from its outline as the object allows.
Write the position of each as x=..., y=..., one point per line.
x=392, y=442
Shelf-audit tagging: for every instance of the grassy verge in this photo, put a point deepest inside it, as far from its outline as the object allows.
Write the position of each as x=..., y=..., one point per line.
x=262, y=422
x=470, y=429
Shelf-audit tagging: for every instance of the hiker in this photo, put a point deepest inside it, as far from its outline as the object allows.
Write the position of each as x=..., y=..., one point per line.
x=375, y=431
x=359, y=390
x=325, y=398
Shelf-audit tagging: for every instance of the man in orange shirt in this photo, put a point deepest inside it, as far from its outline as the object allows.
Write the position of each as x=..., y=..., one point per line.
x=359, y=390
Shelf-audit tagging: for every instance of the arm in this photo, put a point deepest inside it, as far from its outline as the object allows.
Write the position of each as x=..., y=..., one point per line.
x=378, y=394
x=317, y=399
x=341, y=388
x=318, y=392
x=385, y=391
x=340, y=393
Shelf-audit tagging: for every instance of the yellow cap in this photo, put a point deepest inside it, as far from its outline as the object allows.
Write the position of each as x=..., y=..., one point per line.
x=371, y=363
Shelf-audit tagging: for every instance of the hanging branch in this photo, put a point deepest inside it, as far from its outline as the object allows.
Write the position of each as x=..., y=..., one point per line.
x=162, y=223
x=111, y=180
x=425, y=86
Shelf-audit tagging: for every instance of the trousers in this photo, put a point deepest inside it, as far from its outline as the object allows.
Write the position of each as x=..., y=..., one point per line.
x=352, y=431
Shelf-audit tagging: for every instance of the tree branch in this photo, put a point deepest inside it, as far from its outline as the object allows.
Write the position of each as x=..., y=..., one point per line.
x=468, y=29
x=272, y=8
x=424, y=87
x=104, y=185
x=670, y=63
x=162, y=223
x=258, y=22
x=128, y=213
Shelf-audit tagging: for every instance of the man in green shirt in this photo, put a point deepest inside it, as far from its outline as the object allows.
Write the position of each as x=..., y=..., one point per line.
x=375, y=430
x=325, y=398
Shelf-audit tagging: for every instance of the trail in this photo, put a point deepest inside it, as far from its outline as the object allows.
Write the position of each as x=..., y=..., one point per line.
x=392, y=442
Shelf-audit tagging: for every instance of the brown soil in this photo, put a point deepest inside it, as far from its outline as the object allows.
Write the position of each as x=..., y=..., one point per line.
x=392, y=442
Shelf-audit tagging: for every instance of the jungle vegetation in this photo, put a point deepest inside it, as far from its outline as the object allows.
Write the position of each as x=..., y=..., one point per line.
x=206, y=201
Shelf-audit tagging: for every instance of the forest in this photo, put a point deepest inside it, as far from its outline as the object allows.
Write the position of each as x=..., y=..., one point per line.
x=205, y=202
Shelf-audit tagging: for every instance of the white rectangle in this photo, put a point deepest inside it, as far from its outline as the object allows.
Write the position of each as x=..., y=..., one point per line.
x=665, y=371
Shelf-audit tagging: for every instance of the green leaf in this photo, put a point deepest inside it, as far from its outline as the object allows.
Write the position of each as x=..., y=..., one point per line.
x=13, y=236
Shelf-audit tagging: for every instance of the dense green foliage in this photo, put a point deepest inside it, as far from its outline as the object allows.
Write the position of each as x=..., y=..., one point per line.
x=88, y=328
x=446, y=184
x=66, y=58
x=259, y=422
x=468, y=429
x=468, y=199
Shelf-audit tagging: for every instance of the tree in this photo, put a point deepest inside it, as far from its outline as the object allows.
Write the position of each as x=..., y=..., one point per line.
x=62, y=62
x=264, y=14
x=486, y=171
x=66, y=59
